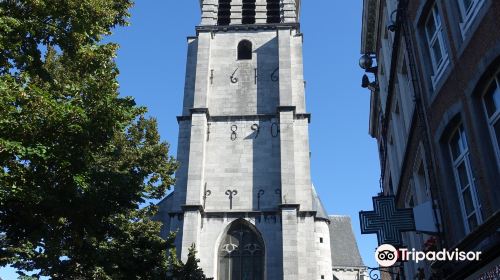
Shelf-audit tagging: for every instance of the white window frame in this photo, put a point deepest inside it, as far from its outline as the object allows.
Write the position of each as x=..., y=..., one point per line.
x=464, y=158
x=421, y=182
x=393, y=159
x=468, y=15
x=493, y=119
x=399, y=130
x=406, y=90
x=438, y=67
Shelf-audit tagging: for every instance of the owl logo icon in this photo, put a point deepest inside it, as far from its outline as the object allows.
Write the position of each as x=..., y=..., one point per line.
x=386, y=255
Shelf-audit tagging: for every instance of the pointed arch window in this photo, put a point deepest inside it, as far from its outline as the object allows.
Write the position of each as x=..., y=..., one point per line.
x=241, y=253
x=245, y=50
x=248, y=12
x=224, y=13
x=273, y=11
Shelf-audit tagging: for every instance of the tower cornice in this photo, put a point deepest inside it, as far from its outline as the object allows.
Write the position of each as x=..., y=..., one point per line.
x=247, y=27
x=257, y=117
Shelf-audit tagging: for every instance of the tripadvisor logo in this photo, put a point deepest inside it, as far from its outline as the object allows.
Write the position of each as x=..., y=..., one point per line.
x=387, y=255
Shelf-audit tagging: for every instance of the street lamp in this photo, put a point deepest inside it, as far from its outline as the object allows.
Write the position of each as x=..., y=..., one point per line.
x=366, y=63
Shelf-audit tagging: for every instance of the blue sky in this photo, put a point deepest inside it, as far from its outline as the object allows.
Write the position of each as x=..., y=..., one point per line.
x=344, y=162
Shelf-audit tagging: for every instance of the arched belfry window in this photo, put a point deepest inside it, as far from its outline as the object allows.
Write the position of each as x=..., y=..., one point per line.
x=248, y=12
x=273, y=11
x=245, y=50
x=224, y=13
x=241, y=253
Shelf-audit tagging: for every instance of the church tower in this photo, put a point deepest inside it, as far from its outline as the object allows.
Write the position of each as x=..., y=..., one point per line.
x=243, y=193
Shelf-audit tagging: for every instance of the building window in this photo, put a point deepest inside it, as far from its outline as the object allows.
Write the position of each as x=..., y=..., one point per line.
x=406, y=92
x=321, y=240
x=322, y=276
x=400, y=131
x=404, y=72
x=245, y=50
x=241, y=253
x=491, y=102
x=391, y=188
x=224, y=13
x=421, y=185
x=410, y=237
x=248, y=12
x=436, y=44
x=273, y=11
x=468, y=12
x=462, y=170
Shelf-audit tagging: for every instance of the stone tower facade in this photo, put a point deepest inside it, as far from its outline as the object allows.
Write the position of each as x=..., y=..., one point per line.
x=243, y=193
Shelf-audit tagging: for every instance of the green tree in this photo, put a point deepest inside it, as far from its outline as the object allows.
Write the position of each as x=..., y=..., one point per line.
x=76, y=160
x=189, y=270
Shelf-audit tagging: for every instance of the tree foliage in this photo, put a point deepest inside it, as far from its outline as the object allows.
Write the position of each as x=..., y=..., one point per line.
x=76, y=159
x=189, y=270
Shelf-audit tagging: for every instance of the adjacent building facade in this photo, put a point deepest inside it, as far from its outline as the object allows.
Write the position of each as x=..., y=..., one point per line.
x=243, y=193
x=435, y=112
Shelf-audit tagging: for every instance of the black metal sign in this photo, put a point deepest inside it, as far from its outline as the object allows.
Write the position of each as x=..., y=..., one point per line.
x=387, y=221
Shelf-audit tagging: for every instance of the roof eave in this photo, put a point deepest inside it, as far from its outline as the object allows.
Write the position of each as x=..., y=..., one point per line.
x=369, y=31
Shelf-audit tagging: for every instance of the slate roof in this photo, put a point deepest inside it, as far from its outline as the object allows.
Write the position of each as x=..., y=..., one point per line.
x=345, y=252
x=318, y=205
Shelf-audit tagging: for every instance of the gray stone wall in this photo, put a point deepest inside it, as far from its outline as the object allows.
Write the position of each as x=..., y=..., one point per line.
x=323, y=252
x=243, y=128
x=248, y=164
x=232, y=88
x=179, y=196
x=253, y=92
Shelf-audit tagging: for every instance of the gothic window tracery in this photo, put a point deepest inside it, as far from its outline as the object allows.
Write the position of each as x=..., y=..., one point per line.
x=241, y=254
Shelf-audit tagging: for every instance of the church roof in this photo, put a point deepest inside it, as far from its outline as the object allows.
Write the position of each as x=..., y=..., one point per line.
x=318, y=205
x=345, y=252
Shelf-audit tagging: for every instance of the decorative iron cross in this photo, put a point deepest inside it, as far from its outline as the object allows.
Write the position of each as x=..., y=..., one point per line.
x=387, y=221
x=231, y=193
x=205, y=195
x=259, y=195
